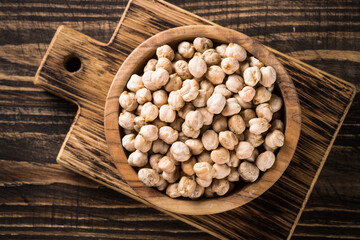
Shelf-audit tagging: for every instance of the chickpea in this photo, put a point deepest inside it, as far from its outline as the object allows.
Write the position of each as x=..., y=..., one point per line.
x=151, y=65
x=202, y=44
x=234, y=175
x=138, y=123
x=206, y=89
x=180, y=151
x=160, y=146
x=271, y=88
x=263, y=110
x=247, y=94
x=252, y=76
x=205, y=157
x=235, y=83
x=211, y=57
x=244, y=150
x=149, y=112
x=253, y=156
x=128, y=142
x=186, y=49
x=182, y=69
x=243, y=66
x=138, y=110
x=146, y=79
x=172, y=190
x=186, y=186
x=255, y=139
x=277, y=124
x=228, y=140
x=207, y=116
x=199, y=191
x=275, y=103
x=138, y=159
x=229, y=65
x=243, y=104
x=236, y=124
x=197, y=67
x=149, y=132
x=154, y=162
x=215, y=74
x=143, y=95
x=268, y=76
x=204, y=182
x=165, y=51
x=160, y=77
x=149, y=177
x=176, y=101
x=164, y=63
x=177, y=124
x=190, y=132
x=188, y=166
x=195, y=146
x=162, y=184
x=127, y=101
x=265, y=160
x=216, y=103
x=232, y=107
x=135, y=83
x=267, y=148
x=167, y=114
x=209, y=193
x=126, y=120
x=275, y=139
x=247, y=115
x=142, y=144
x=171, y=177
x=203, y=170
x=174, y=83
x=210, y=140
x=221, y=49
x=160, y=98
x=194, y=120
x=254, y=62
x=178, y=57
x=220, y=155
x=220, y=186
x=166, y=165
x=234, y=161
x=258, y=125
x=221, y=89
x=236, y=51
x=219, y=124
x=262, y=95
x=168, y=134
x=185, y=110
x=248, y=172
x=189, y=90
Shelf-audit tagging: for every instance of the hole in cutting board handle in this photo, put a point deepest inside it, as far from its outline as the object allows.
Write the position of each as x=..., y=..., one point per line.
x=72, y=63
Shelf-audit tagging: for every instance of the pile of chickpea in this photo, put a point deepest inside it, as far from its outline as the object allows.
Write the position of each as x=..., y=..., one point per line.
x=200, y=119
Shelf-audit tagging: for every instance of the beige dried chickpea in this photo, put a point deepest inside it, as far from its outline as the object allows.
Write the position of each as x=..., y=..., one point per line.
x=139, y=121
x=244, y=150
x=165, y=51
x=166, y=165
x=204, y=182
x=195, y=146
x=172, y=190
x=234, y=160
x=229, y=65
x=154, y=162
x=244, y=65
x=168, y=134
x=159, y=146
x=167, y=114
x=275, y=102
x=149, y=112
x=265, y=160
x=143, y=95
x=222, y=89
x=149, y=177
x=236, y=51
x=235, y=83
x=194, y=120
x=253, y=156
x=231, y=108
x=202, y=44
x=248, y=172
x=210, y=140
x=220, y=186
x=207, y=116
x=197, y=67
x=162, y=184
x=126, y=120
x=142, y=144
x=189, y=90
x=175, y=100
x=149, y=132
x=185, y=110
x=203, y=170
x=236, y=124
x=199, y=191
x=159, y=77
x=262, y=95
x=180, y=151
x=151, y=65
x=146, y=79
x=186, y=186
x=128, y=142
x=188, y=166
x=221, y=49
x=264, y=110
x=247, y=114
x=205, y=157
x=174, y=83
x=275, y=139
x=252, y=76
x=221, y=171
x=219, y=123
x=258, y=125
x=216, y=103
x=211, y=57
x=247, y=94
x=255, y=139
x=254, y=62
x=160, y=98
x=234, y=175
x=182, y=69
x=201, y=99
x=220, y=155
x=268, y=76
x=135, y=83
x=189, y=132
x=171, y=177
x=186, y=49
x=243, y=105
x=228, y=140
x=164, y=63
x=215, y=74
x=277, y=124
x=138, y=159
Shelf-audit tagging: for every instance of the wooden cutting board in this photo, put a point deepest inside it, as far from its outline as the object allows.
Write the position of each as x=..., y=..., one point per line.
x=324, y=99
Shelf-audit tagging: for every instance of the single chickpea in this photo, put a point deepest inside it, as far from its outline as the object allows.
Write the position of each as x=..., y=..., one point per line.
x=258, y=125
x=149, y=177
x=267, y=148
x=203, y=170
x=236, y=51
x=254, y=62
x=247, y=94
x=186, y=49
x=204, y=182
x=167, y=114
x=180, y=151
x=221, y=49
x=128, y=142
x=158, y=123
x=216, y=103
x=151, y=65
x=253, y=156
x=211, y=57
x=205, y=157
x=252, y=76
x=146, y=79
x=210, y=140
x=264, y=110
x=229, y=65
x=206, y=90
x=265, y=160
x=138, y=123
x=248, y=172
x=126, y=120
x=277, y=124
x=194, y=120
x=171, y=177
x=243, y=66
x=228, y=140
x=176, y=101
x=268, y=76
x=207, y=116
x=162, y=184
x=185, y=110
x=149, y=132
x=244, y=150
x=154, y=162
x=243, y=104
x=220, y=155
x=174, y=83
x=160, y=98
x=138, y=159
x=135, y=83
x=159, y=146
x=275, y=139
x=143, y=95
x=164, y=63
x=186, y=186
x=160, y=77
x=172, y=190
x=142, y=144
x=220, y=186
x=231, y=108
x=234, y=175
x=177, y=124
x=209, y=193
x=275, y=103
x=165, y=51
x=235, y=83
x=199, y=191
x=255, y=139
x=190, y=132
x=221, y=89
x=202, y=44
x=215, y=74
x=182, y=69
x=188, y=166
x=166, y=165
x=247, y=115
x=195, y=146
x=189, y=90
x=219, y=124
x=236, y=124
x=168, y=134
x=262, y=95
x=234, y=161
x=197, y=67
x=178, y=57
x=149, y=112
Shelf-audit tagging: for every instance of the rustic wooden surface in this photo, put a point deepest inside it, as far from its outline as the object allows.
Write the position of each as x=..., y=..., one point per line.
x=43, y=200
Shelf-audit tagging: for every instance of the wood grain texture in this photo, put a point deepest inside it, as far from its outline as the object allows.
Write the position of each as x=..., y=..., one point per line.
x=34, y=123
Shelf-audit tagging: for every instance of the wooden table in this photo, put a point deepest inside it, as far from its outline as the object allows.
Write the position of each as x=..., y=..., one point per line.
x=41, y=200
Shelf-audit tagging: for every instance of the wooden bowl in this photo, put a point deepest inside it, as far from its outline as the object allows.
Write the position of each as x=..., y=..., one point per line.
x=238, y=197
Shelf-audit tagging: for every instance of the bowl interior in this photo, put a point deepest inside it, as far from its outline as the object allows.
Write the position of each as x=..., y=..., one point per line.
x=244, y=192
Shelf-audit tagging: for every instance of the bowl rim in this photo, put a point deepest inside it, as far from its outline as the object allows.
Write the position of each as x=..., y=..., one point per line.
x=211, y=205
